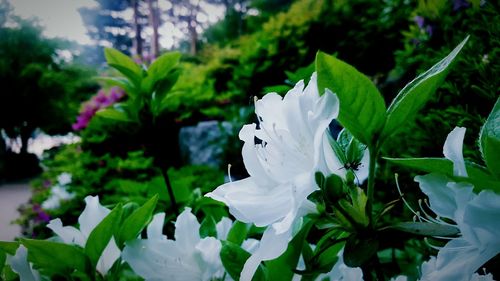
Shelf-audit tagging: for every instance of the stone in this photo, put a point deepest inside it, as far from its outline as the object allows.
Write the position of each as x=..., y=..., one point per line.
x=203, y=144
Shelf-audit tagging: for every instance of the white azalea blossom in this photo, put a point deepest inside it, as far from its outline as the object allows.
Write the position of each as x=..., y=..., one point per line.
x=428, y=270
x=91, y=216
x=58, y=192
x=281, y=166
x=64, y=178
x=187, y=258
x=342, y=272
x=20, y=265
x=475, y=215
x=57, y=195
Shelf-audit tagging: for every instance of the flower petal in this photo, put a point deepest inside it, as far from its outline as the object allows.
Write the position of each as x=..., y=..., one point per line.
x=108, y=257
x=20, y=265
x=250, y=203
x=68, y=234
x=92, y=215
x=481, y=216
x=209, y=250
x=223, y=227
x=452, y=150
x=187, y=229
x=155, y=227
x=157, y=260
x=271, y=246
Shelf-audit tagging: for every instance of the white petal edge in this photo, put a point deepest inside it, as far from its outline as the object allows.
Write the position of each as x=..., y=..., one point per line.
x=452, y=150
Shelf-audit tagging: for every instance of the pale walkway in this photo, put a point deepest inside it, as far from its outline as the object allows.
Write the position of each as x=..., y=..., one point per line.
x=12, y=195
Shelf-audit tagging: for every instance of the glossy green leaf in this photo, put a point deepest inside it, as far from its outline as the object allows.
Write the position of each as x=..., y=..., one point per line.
x=114, y=114
x=121, y=82
x=124, y=64
x=9, y=247
x=101, y=235
x=427, y=229
x=208, y=227
x=161, y=67
x=489, y=141
x=238, y=232
x=282, y=267
x=362, y=107
x=478, y=175
x=52, y=257
x=137, y=221
x=413, y=96
x=233, y=258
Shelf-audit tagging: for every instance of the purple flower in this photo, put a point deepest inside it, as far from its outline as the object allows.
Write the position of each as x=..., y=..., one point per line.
x=98, y=101
x=429, y=30
x=460, y=4
x=47, y=183
x=41, y=215
x=420, y=21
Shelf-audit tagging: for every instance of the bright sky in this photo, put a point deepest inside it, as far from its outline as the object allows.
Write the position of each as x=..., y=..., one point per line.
x=60, y=18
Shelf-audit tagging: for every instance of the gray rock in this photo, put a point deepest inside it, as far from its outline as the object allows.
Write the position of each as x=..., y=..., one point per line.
x=203, y=144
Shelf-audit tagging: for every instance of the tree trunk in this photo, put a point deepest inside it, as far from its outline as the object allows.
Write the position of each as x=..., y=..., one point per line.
x=154, y=22
x=25, y=134
x=193, y=35
x=138, y=30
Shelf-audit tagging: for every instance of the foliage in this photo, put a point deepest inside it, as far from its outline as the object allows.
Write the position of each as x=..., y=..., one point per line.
x=461, y=99
x=43, y=92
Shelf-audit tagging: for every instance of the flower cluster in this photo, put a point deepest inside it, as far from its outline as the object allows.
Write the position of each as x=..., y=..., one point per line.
x=58, y=193
x=98, y=101
x=476, y=216
x=91, y=216
x=188, y=257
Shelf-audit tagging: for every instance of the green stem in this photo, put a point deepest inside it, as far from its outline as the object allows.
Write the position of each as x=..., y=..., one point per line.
x=373, y=150
x=173, y=202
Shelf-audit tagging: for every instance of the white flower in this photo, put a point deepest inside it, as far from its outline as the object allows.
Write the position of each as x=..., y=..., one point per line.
x=187, y=258
x=20, y=265
x=91, y=216
x=58, y=193
x=281, y=165
x=341, y=272
x=64, y=178
x=476, y=216
x=429, y=268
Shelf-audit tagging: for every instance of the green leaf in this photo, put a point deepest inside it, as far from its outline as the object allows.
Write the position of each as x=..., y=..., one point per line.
x=135, y=223
x=120, y=82
x=3, y=258
x=427, y=229
x=489, y=141
x=161, y=67
x=114, y=113
x=337, y=149
x=208, y=227
x=478, y=175
x=282, y=267
x=413, y=96
x=52, y=257
x=362, y=107
x=358, y=250
x=238, y=232
x=9, y=247
x=233, y=258
x=124, y=64
x=101, y=235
